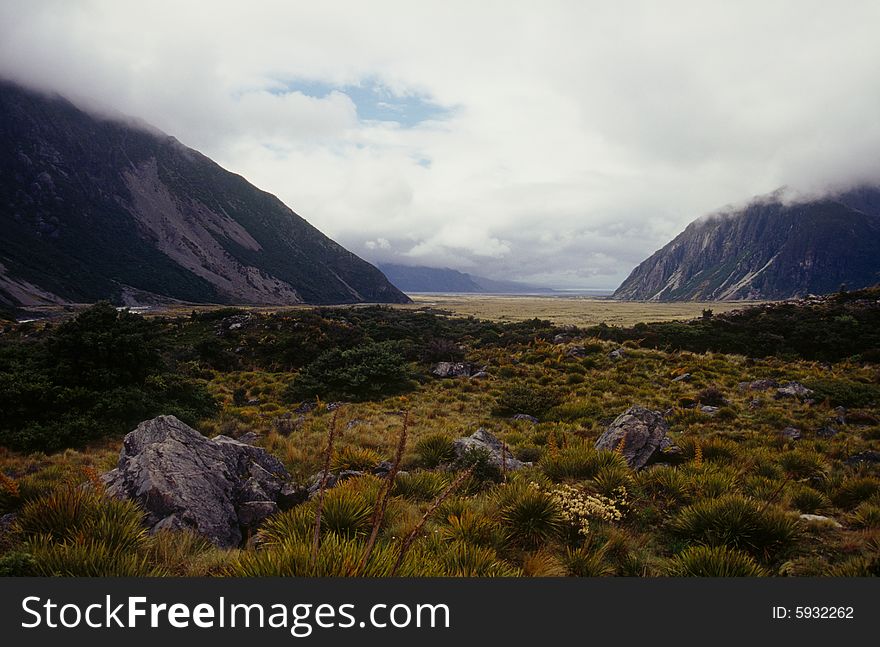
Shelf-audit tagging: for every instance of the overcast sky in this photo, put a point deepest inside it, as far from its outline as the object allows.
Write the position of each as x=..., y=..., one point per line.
x=554, y=142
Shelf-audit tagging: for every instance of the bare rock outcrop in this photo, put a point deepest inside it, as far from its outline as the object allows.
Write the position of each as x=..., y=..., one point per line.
x=641, y=431
x=184, y=480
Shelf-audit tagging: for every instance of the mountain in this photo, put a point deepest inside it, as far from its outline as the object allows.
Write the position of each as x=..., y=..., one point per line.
x=94, y=208
x=418, y=278
x=770, y=249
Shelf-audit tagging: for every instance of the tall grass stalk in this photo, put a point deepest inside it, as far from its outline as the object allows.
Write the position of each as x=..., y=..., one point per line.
x=325, y=474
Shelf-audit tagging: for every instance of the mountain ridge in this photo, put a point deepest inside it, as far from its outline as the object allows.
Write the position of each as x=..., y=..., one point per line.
x=768, y=249
x=421, y=278
x=96, y=208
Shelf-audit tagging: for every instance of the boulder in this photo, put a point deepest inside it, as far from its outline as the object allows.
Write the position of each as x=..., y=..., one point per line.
x=642, y=432
x=481, y=439
x=454, y=369
x=794, y=390
x=184, y=480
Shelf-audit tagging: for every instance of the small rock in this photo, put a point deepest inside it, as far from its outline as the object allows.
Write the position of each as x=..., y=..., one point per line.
x=480, y=375
x=791, y=433
x=576, y=352
x=354, y=423
x=867, y=456
x=827, y=432
x=383, y=468
x=641, y=431
x=454, y=369
x=561, y=338
x=253, y=402
x=526, y=417
x=305, y=407
x=291, y=495
x=840, y=412
x=818, y=518
x=709, y=410
x=333, y=406
x=793, y=390
x=253, y=512
x=499, y=455
x=250, y=438
x=756, y=403
x=684, y=377
x=616, y=355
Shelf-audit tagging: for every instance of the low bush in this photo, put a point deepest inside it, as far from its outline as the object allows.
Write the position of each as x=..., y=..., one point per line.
x=737, y=522
x=530, y=399
x=714, y=561
x=363, y=373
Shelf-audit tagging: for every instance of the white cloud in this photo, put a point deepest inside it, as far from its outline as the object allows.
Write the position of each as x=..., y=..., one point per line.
x=581, y=135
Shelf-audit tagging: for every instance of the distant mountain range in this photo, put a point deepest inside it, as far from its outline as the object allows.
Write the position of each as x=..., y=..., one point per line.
x=770, y=249
x=94, y=208
x=417, y=278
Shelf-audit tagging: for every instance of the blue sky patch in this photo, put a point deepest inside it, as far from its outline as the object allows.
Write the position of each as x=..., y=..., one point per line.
x=374, y=101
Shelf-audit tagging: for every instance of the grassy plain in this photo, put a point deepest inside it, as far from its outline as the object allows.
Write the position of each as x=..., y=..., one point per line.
x=567, y=310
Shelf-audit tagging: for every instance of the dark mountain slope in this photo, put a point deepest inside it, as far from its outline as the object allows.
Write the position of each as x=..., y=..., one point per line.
x=418, y=278
x=768, y=250
x=92, y=208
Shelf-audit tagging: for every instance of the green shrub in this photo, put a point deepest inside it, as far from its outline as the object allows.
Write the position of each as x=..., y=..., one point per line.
x=72, y=514
x=529, y=516
x=737, y=522
x=466, y=560
x=434, y=450
x=470, y=528
x=18, y=563
x=808, y=500
x=530, y=399
x=666, y=485
x=578, y=461
x=845, y=393
x=713, y=561
x=854, y=490
x=86, y=557
x=337, y=557
x=367, y=372
x=350, y=457
x=421, y=485
x=346, y=513
x=866, y=515
x=583, y=562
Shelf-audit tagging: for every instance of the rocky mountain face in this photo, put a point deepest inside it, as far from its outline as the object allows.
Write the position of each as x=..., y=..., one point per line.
x=768, y=250
x=94, y=208
x=418, y=278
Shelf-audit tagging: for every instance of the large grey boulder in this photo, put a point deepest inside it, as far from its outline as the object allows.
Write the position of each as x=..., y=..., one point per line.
x=642, y=432
x=184, y=480
x=481, y=439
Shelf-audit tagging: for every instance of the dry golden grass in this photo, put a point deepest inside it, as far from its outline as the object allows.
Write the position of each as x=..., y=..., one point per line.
x=564, y=310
